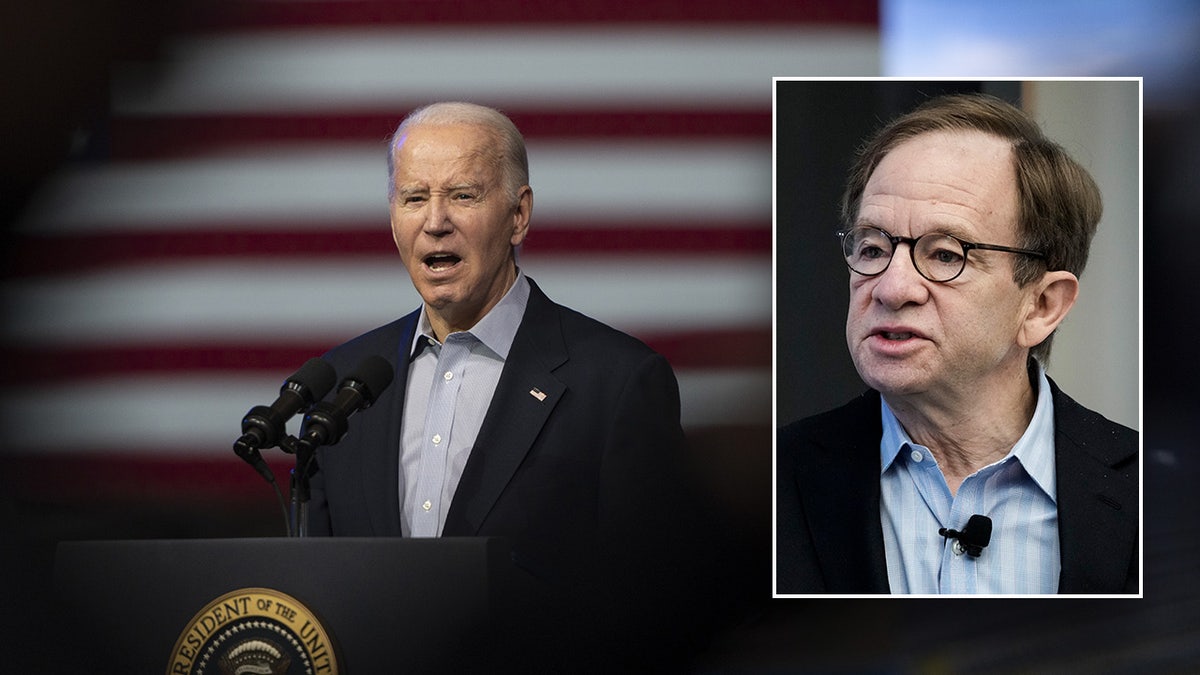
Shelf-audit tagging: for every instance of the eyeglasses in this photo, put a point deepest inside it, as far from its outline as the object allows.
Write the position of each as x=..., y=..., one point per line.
x=936, y=256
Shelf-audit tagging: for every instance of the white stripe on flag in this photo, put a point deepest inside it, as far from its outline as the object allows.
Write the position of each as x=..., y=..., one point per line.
x=517, y=67
x=162, y=414
x=310, y=185
x=295, y=299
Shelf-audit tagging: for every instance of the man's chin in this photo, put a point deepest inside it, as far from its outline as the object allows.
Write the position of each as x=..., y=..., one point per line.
x=438, y=296
x=440, y=304
x=895, y=381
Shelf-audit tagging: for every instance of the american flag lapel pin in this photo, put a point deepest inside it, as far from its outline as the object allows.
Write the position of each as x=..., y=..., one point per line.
x=538, y=394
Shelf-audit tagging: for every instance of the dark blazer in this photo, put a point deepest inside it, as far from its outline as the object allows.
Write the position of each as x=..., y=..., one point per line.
x=829, y=538
x=568, y=479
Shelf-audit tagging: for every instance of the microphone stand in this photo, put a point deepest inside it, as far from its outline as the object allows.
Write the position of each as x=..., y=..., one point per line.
x=300, y=485
x=328, y=424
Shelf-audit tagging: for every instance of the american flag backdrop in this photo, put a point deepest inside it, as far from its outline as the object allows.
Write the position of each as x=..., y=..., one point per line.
x=228, y=219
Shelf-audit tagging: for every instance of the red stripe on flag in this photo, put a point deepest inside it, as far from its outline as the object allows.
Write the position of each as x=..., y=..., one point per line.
x=731, y=239
x=33, y=255
x=144, y=137
x=46, y=365
x=256, y=15
x=715, y=348
x=112, y=476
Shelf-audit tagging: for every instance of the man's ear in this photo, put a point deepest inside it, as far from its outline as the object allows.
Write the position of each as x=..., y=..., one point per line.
x=1050, y=299
x=522, y=213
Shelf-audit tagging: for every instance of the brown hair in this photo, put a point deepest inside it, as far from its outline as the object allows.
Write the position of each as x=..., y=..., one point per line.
x=1060, y=204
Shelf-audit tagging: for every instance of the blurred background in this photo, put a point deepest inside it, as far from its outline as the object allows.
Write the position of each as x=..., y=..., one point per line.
x=193, y=199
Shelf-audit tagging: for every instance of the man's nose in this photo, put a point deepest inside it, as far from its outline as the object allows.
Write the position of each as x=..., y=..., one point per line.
x=437, y=217
x=900, y=283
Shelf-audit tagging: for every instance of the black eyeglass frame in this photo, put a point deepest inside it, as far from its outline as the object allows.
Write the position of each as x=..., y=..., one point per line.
x=912, y=251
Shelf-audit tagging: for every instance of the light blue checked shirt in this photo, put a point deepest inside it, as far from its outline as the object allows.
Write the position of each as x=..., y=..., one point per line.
x=450, y=386
x=1017, y=493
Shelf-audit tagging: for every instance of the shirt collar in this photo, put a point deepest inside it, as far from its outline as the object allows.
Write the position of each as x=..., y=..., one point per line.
x=1034, y=450
x=894, y=437
x=496, y=330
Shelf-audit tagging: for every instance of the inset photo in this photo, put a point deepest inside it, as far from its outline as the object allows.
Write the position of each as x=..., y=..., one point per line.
x=958, y=312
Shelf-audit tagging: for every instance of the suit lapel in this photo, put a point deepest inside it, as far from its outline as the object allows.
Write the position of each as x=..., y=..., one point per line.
x=1097, y=503
x=526, y=395
x=841, y=495
x=381, y=486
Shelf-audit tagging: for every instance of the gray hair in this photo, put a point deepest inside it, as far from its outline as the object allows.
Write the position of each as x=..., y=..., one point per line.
x=509, y=154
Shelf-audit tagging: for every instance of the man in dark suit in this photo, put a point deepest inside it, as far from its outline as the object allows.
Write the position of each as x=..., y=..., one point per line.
x=960, y=420
x=509, y=415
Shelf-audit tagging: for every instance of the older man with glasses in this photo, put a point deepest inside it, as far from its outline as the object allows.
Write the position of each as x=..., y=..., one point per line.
x=964, y=469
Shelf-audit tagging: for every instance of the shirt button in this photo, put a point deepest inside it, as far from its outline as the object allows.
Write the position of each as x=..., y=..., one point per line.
x=448, y=376
x=917, y=456
x=427, y=505
x=437, y=438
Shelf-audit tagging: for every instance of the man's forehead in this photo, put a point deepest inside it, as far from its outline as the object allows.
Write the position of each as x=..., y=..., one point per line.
x=434, y=181
x=464, y=137
x=465, y=169
x=951, y=158
x=445, y=153
x=962, y=178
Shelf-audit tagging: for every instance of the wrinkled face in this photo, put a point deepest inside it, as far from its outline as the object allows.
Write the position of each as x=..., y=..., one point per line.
x=911, y=336
x=454, y=223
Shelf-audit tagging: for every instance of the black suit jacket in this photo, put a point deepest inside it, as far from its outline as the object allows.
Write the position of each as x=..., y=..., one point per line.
x=829, y=538
x=578, y=478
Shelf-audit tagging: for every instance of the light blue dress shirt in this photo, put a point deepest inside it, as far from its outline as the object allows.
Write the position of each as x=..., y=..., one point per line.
x=450, y=386
x=1017, y=493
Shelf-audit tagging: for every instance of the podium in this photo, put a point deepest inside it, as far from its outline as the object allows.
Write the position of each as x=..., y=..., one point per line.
x=386, y=605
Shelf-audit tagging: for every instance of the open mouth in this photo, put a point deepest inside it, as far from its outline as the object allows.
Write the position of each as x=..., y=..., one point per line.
x=895, y=336
x=439, y=262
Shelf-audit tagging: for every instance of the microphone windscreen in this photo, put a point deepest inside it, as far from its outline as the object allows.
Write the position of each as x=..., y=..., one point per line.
x=317, y=375
x=375, y=374
x=980, y=528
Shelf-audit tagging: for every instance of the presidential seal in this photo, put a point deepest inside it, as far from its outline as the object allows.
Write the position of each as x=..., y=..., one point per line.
x=254, y=631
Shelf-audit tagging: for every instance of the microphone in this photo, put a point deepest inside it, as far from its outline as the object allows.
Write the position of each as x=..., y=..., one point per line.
x=326, y=422
x=973, y=537
x=263, y=426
